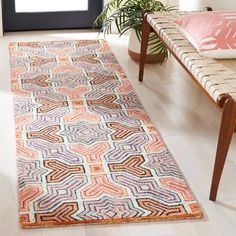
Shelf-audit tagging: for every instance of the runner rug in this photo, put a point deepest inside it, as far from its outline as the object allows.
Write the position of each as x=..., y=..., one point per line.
x=87, y=151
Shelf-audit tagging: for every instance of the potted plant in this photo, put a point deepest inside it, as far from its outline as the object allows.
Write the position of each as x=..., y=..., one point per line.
x=127, y=15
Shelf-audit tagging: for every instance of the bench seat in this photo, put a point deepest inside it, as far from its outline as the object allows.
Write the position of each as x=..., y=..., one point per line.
x=214, y=75
x=217, y=78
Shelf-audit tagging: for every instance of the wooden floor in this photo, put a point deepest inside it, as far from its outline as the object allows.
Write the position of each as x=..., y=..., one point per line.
x=187, y=121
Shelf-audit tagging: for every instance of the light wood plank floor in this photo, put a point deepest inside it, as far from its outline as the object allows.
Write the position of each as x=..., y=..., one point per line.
x=187, y=121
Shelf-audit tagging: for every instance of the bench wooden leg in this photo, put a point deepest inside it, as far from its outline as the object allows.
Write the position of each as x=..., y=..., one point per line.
x=146, y=29
x=225, y=136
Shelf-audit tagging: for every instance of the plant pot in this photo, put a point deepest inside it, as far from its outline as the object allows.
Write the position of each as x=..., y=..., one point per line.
x=134, y=50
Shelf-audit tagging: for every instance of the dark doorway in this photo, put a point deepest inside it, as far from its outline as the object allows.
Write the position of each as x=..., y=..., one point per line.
x=49, y=14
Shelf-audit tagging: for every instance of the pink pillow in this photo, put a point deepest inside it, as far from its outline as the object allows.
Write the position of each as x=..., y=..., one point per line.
x=213, y=34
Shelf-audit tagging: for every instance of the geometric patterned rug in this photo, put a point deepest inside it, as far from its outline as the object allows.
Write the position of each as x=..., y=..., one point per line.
x=87, y=151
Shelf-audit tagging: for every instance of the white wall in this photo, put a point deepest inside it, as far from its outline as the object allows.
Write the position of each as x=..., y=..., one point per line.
x=222, y=4
x=171, y=2
x=215, y=4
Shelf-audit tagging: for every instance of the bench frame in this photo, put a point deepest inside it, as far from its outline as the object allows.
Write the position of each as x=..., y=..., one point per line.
x=225, y=103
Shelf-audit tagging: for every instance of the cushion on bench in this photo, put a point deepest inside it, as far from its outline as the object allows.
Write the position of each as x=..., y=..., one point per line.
x=213, y=34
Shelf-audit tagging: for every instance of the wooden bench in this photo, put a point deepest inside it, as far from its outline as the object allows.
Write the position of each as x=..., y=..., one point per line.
x=217, y=78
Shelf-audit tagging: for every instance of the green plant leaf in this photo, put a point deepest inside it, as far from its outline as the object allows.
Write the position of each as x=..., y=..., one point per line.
x=128, y=14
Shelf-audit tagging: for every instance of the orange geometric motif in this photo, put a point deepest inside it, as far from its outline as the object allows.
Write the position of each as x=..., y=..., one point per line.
x=66, y=67
x=152, y=129
x=93, y=153
x=63, y=213
x=117, y=69
x=39, y=61
x=194, y=207
x=19, y=134
x=60, y=52
x=23, y=151
x=158, y=209
x=141, y=115
x=89, y=58
x=83, y=43
x=154, y=145
x=102, y=186
x=49, y=104
x=30, y=44
x=24, y=218
x=22, y=120
x=132, y=165
x=125, y=87
x=77, y=103
x=104, y=48
x=15, y=73
x=107, y=101
x=123, y=131
x=79, y=114
x=18, y=91
x=47, y=134
x=96, y=168
x=16, y=53
x=73, y=93
x=61, y=171
x=40, y=80
x=28, y=194
x=62, y=60
x=100, y=78
x=178, y=186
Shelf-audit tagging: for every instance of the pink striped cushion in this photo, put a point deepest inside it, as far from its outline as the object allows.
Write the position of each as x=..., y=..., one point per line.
x=213, y=34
